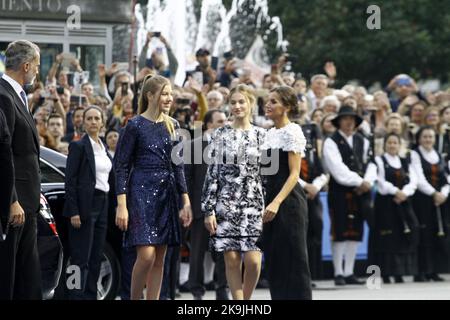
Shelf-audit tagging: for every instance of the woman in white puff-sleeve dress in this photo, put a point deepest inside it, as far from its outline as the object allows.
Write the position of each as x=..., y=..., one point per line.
x=286, y=216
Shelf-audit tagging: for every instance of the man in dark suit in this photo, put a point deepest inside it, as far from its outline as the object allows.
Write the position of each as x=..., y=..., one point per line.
x=20, y=276
x=195, y=173
x=6, y=174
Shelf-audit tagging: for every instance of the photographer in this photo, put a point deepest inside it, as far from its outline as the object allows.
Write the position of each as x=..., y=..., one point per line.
x=118, y=81
x=267, y=82
x=63, y=58
x=156, y=62
x=204, y=66
x=88, y=90
x=403, y=86
x=183, y=115
x=48, y=99
x=121, y=109
x=228, y=71
x=36, y=100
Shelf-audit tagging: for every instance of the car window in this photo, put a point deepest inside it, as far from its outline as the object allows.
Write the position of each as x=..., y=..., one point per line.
x=49, y=174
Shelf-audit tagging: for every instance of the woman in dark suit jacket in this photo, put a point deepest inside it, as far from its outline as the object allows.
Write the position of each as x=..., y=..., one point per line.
x=89, y=176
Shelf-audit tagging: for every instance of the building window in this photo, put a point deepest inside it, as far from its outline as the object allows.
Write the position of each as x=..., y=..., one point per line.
x=49, y=51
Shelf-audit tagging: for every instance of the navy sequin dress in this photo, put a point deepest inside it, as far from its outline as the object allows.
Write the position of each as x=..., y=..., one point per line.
x=152, y=182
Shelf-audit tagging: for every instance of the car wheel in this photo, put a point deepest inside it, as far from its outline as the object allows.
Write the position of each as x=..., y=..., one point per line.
x=108, y=283
x=109, y=279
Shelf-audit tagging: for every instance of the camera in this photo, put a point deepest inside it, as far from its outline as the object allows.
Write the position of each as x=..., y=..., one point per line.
x=228, y=55
x=80, y=77
x=75, y=100
x=124, y=87
x=157, y=34
x=60, y=90
x=214, y=62
x=183, y=101
x=292, y=58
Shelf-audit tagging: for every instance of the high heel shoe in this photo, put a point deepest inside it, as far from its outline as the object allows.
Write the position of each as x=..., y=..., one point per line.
x=435, y=277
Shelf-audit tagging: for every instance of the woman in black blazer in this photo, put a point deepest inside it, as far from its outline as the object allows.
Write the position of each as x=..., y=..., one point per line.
x=89, y=176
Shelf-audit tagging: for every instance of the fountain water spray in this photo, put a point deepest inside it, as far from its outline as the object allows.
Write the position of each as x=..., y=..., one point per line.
x=244, y=28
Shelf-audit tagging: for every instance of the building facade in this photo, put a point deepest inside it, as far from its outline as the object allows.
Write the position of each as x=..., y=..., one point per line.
x=94, y=31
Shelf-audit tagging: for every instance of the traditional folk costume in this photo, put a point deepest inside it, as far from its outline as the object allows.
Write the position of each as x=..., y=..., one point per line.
x=434, y=246
x=395, y=225
x=348, y=160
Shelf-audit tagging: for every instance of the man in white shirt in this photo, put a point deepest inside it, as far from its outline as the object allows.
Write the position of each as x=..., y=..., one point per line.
x=347, y=157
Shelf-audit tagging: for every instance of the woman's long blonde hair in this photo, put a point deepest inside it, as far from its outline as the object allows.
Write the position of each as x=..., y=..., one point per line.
x=155, y=84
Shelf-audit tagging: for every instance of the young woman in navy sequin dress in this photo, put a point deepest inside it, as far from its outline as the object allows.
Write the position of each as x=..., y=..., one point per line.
x=151, y=188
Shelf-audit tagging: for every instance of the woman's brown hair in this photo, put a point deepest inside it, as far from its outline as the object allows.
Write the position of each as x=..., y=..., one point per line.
x=288, y=99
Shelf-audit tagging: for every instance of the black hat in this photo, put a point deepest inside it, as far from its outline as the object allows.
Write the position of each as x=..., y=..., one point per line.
x=347, y=111
x=202, y=52
x=228, y=55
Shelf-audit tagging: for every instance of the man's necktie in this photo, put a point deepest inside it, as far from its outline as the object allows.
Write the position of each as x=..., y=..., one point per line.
x=24, y=99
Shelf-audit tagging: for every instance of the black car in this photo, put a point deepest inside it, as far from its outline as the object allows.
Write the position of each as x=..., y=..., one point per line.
x=50, y=250
x=53, y=166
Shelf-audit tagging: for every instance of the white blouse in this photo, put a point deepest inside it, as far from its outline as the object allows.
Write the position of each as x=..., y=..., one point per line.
x=103, y=166
x=333, y=162
x=387, y=188
x=288, y=138
x=423, y=185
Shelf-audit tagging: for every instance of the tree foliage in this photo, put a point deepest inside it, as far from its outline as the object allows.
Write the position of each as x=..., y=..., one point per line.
x=414, y=37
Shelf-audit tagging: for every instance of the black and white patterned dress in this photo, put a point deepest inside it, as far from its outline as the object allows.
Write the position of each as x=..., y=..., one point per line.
x=233, y=188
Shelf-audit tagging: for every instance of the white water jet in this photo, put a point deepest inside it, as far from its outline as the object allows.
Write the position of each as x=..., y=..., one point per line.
x=177, y=22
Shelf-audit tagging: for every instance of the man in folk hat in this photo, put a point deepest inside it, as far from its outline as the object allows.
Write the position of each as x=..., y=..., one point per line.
x=347, y=156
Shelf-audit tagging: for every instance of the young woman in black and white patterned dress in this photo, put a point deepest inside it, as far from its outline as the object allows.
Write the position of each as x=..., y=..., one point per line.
x=232, y=199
